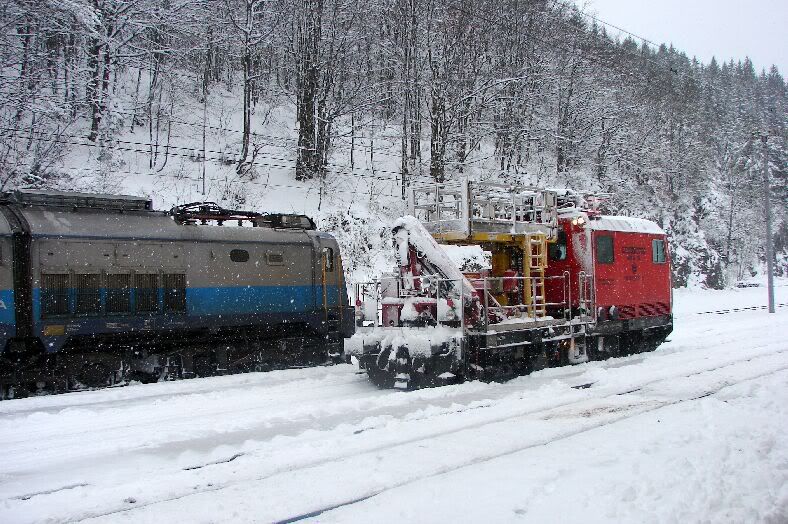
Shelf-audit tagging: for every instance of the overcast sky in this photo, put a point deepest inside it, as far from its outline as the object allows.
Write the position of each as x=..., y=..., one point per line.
x=705, y=28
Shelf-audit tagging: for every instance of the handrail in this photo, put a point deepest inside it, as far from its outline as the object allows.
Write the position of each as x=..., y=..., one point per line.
x=434, y=288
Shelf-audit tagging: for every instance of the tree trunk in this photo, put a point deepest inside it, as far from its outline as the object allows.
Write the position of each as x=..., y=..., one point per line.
x=307, y=160
x=92, y=87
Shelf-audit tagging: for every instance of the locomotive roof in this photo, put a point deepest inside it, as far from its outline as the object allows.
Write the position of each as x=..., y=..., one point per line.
x=147, y=225
x=625, y=224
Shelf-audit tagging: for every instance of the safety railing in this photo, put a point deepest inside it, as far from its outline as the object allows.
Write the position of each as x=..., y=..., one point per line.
x=586, y=299
x=507, y=204
x=424, y=299
x=452, y=207
x=430, y=300
x=494, y=312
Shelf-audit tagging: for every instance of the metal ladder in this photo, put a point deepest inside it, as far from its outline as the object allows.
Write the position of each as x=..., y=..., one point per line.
x=536, y=263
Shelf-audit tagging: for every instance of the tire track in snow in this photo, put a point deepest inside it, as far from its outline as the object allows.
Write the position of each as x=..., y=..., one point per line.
x=293, y=468
x=627, y=414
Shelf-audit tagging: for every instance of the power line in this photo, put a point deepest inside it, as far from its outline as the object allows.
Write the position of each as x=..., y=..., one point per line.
x=180, y=155
x=165, y=151
x=265, y=185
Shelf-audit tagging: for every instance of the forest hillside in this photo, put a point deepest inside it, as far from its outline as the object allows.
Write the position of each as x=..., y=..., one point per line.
x=333, y=107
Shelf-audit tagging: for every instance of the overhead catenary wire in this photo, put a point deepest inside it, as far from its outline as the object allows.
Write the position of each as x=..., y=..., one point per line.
x=181, y=155
x=253, y=182
x=164, y=150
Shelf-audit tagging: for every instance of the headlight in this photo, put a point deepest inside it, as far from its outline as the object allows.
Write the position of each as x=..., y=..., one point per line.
x=613, y=312
x=601, y=313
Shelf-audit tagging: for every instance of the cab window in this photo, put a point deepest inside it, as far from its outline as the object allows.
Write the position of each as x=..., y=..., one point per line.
x=604, y=249
x=557, y=250
x=658, y=251
x=328, y=258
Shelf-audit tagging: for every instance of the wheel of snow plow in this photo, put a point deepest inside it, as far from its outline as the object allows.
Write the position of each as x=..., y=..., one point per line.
x=381, y=377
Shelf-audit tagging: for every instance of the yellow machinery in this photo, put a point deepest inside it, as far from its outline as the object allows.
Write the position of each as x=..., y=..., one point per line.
x=513, y=223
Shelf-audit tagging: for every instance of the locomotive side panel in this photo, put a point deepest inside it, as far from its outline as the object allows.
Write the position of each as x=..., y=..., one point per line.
x=631, y=274
x=251, y=279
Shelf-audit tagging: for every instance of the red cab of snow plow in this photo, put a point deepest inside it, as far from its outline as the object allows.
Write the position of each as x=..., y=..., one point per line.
x=622, y=265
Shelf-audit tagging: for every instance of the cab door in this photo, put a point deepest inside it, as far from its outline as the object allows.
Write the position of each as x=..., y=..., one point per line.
x=330, y=277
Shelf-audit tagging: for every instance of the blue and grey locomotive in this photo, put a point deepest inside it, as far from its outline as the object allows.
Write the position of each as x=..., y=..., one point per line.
x=99, y=288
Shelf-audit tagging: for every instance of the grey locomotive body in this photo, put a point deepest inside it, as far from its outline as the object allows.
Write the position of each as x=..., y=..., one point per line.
x=98, y=288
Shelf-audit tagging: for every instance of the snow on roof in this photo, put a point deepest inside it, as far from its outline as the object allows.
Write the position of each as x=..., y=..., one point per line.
x=625, y=224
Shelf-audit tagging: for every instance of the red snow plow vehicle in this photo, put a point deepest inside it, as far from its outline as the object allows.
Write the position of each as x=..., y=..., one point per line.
x=563, y=285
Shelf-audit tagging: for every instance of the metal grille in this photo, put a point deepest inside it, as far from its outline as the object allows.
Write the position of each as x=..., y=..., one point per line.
x=87, y=289
x=118, y=293
x=54, y=295
x=653, y=310
x=174, y=293
x=626, y=312
x=147, y=293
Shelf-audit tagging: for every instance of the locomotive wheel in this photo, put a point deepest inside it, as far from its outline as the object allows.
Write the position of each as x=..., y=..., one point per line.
x=94, y=375
x=382, y=378
x=203, y=367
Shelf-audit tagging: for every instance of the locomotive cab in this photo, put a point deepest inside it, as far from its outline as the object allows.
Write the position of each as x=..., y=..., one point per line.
x=621, y=267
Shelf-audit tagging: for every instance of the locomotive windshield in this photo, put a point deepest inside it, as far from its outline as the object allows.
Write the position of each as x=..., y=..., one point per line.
x=557, y=250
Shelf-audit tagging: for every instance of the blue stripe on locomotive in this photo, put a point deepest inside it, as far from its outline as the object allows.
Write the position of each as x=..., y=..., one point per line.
x=235, y=300
x=249, y=299
x=205, y=307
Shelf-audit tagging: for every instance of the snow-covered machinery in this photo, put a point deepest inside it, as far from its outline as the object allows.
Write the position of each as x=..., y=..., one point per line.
x=534, y=305
x=430, y=322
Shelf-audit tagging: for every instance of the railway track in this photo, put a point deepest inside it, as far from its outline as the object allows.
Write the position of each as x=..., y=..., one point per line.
x=266, y=437
x=763, y=366
x=739, y=310
x=124, y=384
x=492, y=456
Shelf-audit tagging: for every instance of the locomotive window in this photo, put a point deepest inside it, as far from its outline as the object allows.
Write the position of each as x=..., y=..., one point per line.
x=87, y=290
x=275, y=259
x=119, y=293
x=54, y=295
x=328, y=258
x=658, y=251
x=557, y=250
x=174, y=293
x=604, y=249
x=146, y=290
x=239, y=255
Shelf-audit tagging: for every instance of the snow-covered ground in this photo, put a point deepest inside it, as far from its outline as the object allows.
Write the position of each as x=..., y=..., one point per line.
x=696, y=431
